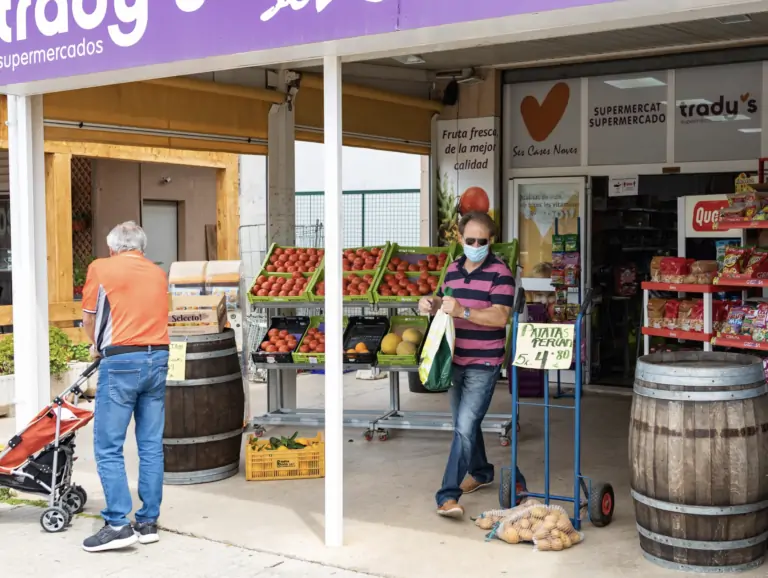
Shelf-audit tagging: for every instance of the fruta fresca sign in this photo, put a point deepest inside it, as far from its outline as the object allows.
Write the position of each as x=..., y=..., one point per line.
x=45, y=39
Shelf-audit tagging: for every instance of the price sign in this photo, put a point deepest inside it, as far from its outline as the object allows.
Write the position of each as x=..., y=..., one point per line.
x=177, y=361
x=544, y=346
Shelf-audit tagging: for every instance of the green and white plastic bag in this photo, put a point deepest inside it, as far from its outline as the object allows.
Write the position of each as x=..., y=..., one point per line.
x=436, y=363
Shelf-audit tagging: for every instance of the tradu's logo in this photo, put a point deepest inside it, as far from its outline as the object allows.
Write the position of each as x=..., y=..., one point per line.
x=722, y=107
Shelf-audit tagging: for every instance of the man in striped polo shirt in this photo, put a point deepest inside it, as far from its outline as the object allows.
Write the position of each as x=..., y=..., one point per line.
x=483, y=292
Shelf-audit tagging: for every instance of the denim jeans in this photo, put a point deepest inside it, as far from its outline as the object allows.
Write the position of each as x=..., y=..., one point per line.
x=130, y=385
x=471, y=396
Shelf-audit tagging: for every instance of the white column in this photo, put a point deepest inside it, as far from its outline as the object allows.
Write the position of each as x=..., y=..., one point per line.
x=281, y=213
x=334, y=375
x=30, y=254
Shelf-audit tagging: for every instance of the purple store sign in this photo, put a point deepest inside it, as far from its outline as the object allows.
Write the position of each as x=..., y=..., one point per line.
x=45, y=39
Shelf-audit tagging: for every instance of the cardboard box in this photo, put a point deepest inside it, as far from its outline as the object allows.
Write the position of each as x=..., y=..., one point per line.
x=199, y=315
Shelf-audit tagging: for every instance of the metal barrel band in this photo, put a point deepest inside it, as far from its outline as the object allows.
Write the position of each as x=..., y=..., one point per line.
x=734, y=510
x=202, y=439
x=702, y=544
x=211, y=354
x=664, y=370
x=704, y=569
x=226, y=336
x=701, y=395
x=697, y=380
x=205, y=380
x=201, y=476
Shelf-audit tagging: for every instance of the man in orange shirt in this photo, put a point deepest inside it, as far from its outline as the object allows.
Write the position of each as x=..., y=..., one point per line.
x=125, y=314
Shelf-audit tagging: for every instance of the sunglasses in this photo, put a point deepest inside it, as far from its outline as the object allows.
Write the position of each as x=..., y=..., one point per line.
x=478, y=242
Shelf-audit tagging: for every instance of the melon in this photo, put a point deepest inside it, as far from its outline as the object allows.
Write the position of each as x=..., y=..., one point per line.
x=406, y=348
x=390, y=344
x=413, y=335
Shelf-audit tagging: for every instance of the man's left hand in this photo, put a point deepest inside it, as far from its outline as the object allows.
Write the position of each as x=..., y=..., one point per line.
x=452, y=307
x=95, y=353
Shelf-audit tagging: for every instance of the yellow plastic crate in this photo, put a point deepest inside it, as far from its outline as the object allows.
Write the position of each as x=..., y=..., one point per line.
x=285, y=465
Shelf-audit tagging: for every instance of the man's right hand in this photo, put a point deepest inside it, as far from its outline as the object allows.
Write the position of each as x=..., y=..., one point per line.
x=429, y=305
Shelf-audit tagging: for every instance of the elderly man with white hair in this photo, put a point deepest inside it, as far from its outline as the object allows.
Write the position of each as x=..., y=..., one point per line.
x=125, y=314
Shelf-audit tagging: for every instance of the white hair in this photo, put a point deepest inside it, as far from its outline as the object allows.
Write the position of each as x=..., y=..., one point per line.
x=127, y=236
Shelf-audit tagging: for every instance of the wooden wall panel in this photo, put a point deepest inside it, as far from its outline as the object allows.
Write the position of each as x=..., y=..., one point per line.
x=58, y=218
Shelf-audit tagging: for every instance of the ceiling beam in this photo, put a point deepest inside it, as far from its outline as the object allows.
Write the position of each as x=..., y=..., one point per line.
x=236, y=90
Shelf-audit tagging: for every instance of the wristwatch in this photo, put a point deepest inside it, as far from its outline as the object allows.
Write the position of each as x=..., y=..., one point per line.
x=467, y=311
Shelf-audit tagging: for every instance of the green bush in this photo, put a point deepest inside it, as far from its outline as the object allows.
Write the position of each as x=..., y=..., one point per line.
x=62, y=351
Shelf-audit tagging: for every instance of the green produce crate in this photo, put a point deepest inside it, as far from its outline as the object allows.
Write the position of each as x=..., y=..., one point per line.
x=272, y=249
x=508, y=252
x=412, y=254
x=398, y=324
x=304, y=297
x=316, y=321
x=407, y=298
x=365, y=298
x=385, y=249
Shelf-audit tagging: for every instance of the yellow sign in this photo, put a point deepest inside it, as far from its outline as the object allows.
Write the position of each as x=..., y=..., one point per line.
x=544, y=346
x=177, y=361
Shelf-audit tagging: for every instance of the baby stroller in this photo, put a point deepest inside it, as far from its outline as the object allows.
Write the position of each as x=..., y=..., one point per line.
x=39, y=458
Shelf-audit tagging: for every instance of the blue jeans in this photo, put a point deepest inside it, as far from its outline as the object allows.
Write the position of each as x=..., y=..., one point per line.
x=471, y=396
x=130, y=384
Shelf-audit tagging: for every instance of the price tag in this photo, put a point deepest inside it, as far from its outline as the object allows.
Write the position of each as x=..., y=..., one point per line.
x=177, y=361
x=544, y=346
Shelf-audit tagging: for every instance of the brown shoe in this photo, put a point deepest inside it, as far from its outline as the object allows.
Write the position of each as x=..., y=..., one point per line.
x=470, y=485
x=450, y=509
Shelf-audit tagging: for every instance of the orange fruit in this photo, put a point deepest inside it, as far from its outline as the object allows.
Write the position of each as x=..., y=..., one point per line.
x=351, y=351
x=361, y=348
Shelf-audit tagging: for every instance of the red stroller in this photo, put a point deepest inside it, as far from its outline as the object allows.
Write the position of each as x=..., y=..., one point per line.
x=39, y=458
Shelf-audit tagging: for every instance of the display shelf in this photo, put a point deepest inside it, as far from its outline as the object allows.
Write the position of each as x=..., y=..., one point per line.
x=677, y=334
x=737, y=283
x=320, y=304
x=725, y=226
x=347, y=366
x=680, y=287
x=739, y=342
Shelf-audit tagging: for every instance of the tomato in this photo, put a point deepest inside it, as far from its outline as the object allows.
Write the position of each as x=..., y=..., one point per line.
x=271, y=268
x=474, y=199
x=313, y=344
x=271, y=349
x=402, y=293
x=304, y=349
x=284, y=349
x=320, y=348
x=265, y=344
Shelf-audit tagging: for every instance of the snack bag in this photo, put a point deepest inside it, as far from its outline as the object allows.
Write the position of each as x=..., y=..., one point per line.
x=719, y=315
x=720, y=247
x=734, y=260
x=696, y=317
x=656, y=269
x=734, y=321
x=558, y=260
x=684, y=315
x=558, y=277
x=656, y=312
x=674, y=269
x=671, y=310
x=571, y=276
x=558, y=244
x=571, y=243
x=757, y=263
x=760, y=323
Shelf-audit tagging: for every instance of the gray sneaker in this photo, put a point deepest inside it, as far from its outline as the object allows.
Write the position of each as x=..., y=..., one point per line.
x=110, y=539
x=147, y=532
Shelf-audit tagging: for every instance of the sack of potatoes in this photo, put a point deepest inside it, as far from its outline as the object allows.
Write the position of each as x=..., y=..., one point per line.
x=548, y=527
x=488, y=519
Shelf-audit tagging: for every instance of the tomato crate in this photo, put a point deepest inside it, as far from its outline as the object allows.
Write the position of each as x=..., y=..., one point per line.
x=315, y=322
x=416, y=257
x=414, y=279
x=296, y=327
x=507, y=252
x=397, y=325
x=273, y=269
x=284, y=464
x=350, y=257
x=368, y=277
x=367, y=331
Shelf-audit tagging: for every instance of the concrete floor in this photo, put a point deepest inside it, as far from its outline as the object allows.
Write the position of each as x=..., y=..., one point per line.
x=391, y=528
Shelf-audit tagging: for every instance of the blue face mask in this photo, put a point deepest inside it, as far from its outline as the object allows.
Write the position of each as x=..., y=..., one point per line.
x=476, y=254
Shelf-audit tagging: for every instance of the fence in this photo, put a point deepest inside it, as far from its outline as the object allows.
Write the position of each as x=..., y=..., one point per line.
x=370, y=217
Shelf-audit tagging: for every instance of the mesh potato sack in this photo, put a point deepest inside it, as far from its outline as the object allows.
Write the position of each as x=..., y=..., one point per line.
x=548, y=527
x=488, y=519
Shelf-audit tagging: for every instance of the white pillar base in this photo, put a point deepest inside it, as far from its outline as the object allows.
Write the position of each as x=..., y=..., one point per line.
x=30, y=253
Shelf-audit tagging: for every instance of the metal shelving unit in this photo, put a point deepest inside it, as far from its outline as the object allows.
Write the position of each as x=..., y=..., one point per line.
x=374, y=422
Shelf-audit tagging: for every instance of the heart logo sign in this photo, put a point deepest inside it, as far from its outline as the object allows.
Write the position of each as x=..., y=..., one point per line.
x=542, y=119
x=744, y=97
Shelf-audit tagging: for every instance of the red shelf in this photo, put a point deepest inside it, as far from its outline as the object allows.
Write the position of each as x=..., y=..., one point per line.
x=737, y=341
x=681, y=287
x=721, y=283
x=677, y=334
x=725, y=226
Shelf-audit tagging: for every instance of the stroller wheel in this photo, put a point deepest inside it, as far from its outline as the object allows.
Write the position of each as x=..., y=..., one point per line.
x=54, y=519
x=83, y=494
x=72, y=501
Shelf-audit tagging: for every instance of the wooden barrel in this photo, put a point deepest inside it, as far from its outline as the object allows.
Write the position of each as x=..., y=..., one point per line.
x=204, y=412
x=698, y=447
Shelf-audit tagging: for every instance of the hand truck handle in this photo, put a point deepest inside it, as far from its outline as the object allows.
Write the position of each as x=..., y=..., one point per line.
x=519, y=301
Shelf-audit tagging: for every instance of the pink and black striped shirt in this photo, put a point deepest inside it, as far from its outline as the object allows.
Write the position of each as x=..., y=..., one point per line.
x=491, y=283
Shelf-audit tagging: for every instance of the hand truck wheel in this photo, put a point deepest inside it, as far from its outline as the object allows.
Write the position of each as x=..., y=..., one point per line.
x=504, y=441
x=368, y=435
x=383, y=435
x=505, y=490
x=601, y=504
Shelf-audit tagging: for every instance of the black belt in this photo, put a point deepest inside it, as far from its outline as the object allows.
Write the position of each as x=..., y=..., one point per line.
x=120, y=349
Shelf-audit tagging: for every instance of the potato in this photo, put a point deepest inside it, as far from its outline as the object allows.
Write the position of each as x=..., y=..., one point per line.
x=549, y=525
x=526, y=535
x=508, y=534
x=524, y=524
x=565, y=540
x=543, y=545
x=539, y=512
x=552, y=518
x=541, y=535
x=556, y=544
x=574, y=537
x=564, y=524
x=484, y=523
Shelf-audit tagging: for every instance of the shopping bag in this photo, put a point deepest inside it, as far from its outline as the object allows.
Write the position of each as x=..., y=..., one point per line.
x=436, y=363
